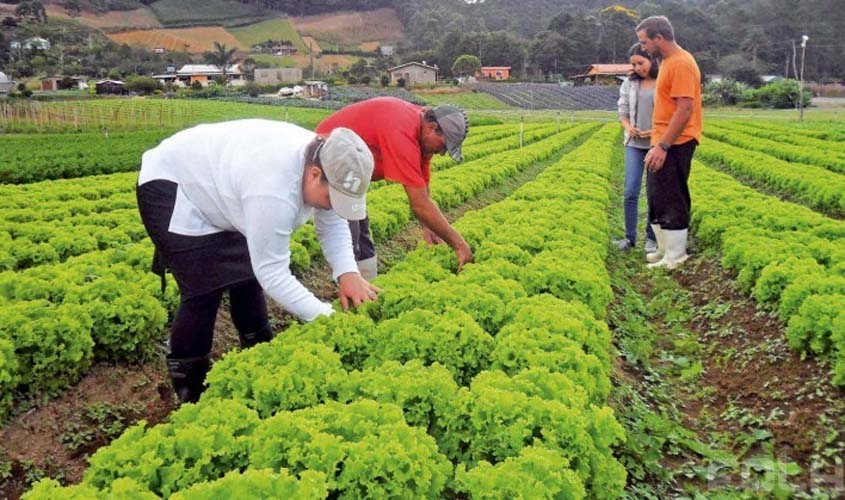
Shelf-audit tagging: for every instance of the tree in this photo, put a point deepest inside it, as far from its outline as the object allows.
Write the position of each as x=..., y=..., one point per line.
x=33, y=11
x=248, y=66
x=466, y=65
x=616, y=28
x=737, y=67
x=142, y=85
x=72, y=8
x=221, y=57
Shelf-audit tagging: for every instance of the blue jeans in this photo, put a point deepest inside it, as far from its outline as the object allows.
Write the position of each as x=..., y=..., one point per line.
x=634, y=166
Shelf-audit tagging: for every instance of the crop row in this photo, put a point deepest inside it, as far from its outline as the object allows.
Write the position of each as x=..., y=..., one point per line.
x=790, y=258
x=784, y=136
x=833, y=161
x=82, y=226
x=815, y=186
x=116, y=306
x=487, y=384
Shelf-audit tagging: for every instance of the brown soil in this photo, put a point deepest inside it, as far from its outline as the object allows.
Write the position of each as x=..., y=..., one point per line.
x=763, y=376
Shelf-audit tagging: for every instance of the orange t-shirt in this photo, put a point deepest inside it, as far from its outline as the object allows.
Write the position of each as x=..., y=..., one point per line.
x=679, y=76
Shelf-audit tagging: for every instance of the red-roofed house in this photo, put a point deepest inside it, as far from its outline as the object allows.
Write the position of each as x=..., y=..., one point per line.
x=602, y=74
x=494, y=73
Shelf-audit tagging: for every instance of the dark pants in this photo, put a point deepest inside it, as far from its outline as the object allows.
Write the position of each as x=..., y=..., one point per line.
x=362, y=241
x=193, y=326
x=204, y=267
x=667, y=189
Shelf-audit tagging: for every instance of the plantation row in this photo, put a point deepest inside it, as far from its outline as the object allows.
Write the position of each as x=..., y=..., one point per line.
x=91, y=225
x=831, y=158
x=36, y=157
x=794, y=138
x=26, y=158
x=790, y=258
x=57, y=318
x=816, y=186
x=487, y=384
x=140, y=114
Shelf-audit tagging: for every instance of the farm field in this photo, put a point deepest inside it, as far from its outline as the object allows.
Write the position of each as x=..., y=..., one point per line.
x=114, y=19
x=177, y=13
x=195, y=40
x=551, y=367
x=351, y=28
x=271, y=29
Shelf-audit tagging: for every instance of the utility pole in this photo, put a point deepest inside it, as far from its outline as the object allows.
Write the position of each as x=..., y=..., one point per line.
x=804, y=39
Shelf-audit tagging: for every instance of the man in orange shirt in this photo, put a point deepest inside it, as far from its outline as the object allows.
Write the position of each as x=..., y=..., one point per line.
x=676, y=131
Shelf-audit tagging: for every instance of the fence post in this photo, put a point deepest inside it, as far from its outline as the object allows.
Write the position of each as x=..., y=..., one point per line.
x=521, y=130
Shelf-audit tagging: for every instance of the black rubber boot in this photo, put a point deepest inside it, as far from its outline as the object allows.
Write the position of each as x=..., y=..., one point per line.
x=188, y=376
x=265, y=334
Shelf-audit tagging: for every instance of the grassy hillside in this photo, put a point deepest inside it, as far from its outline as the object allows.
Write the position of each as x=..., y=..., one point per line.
x=225, y=12
x=271, y=29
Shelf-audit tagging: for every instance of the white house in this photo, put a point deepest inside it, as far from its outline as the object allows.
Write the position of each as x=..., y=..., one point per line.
x=35, y=42
x=202, y=73
x=414, y=73
x=270, y=76
x=6, y=84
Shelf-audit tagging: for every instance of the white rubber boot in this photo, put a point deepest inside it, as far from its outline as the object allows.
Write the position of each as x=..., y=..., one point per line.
x=368, y=268
x=676, y=249
x=661, y=245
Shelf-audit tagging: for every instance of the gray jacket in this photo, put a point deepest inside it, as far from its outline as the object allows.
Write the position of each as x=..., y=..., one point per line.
x=627, y=103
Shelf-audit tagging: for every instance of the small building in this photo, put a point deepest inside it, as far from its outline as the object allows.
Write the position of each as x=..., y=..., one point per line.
x=604, y=74
x=272, y=76
x=54, y=83
x=414, y=73
x=387, y=50
x=6, y=84
x=33, y=43
x=315, y=89
x=115, y=87
x=203, y=73
x=494, y=73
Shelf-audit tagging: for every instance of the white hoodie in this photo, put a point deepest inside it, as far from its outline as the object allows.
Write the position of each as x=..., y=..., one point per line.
x=246, y=176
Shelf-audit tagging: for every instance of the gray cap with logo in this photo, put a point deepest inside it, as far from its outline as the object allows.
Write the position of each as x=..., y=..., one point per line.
x=348, y=165
x=455, y=126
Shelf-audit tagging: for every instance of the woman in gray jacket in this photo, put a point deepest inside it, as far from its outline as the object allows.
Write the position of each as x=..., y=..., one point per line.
x=636, y=103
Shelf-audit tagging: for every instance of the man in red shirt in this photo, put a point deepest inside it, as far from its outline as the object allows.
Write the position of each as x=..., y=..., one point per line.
x=403, y=137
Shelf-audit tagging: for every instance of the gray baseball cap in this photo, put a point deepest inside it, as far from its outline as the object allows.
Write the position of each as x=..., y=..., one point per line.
x=454, y=123
x=348, y=165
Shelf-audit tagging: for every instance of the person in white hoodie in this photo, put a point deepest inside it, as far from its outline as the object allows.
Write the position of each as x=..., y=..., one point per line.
x=220, y=203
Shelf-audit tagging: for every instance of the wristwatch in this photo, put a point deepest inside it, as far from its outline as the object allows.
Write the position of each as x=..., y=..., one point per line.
x=663, y=146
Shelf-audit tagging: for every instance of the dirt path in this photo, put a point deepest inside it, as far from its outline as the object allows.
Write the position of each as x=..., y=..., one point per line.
x=714, y=399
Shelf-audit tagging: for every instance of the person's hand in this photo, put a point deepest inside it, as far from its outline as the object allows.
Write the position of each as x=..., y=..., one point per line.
x=631, y=131
x=430, y=237
x=654, y=159
x=645, y=134
x=636, y=132
x=355, y=290
x=464, y=253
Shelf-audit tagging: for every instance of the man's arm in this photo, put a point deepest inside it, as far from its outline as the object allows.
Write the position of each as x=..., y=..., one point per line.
x=683, y=112
x=432, y=218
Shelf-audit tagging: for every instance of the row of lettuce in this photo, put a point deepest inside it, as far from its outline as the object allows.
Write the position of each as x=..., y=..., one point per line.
x=83, y=218
x=57, y=319
x=813, y=185
x=826, y=154
x=491, y=383
x=789, y=257
x=26, y=158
